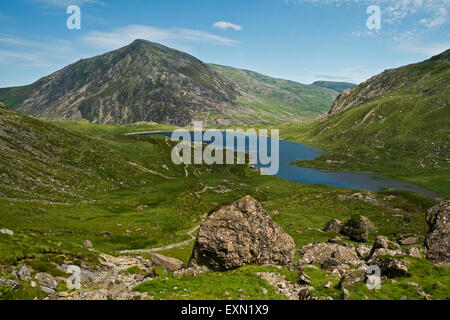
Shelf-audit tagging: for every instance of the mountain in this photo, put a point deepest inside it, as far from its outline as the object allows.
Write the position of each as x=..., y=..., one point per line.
x=277, y=98
x=146, y=81
x=396, y=123
x=333, y=85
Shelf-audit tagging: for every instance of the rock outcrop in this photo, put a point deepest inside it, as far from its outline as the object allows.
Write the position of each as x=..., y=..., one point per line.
x=437, y=240
x=238, y=234
x=168, y=263
x=357, y=228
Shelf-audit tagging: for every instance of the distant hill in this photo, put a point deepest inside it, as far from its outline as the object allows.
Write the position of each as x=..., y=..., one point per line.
x=146, y=81
x=281, y=99
x=333, y=85
x=396, y=122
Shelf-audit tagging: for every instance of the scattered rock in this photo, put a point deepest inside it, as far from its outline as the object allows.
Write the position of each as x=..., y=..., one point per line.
x=436, y=285
x=319, y=252
x=47, y=282
x=391, y=267
x=352, y=277
x=382, y=242
x=345, y=294
x=328, y=285
x=414, y=285
x=413, y=252
x=11, y=284
x=24, y=274
x=274, y=212
x=363, y=251
x=357, y=228
x=437, y=240
x=408, y=241
x=293, y=291
x=167, y=262
x=264, y=291
x=337, y=240
x=238, y=234
x=7, y=231
x=87, y=244
x=33, y=284
x=142, y=207
x=303, y=278
x=334, y=225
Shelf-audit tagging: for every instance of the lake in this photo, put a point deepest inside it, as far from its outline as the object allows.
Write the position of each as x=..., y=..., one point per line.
x=292, y=151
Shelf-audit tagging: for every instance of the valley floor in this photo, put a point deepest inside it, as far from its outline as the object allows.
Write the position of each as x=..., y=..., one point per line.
x=52, y=231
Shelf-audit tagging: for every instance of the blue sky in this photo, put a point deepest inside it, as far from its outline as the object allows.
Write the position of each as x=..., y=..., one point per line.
x=300, y=40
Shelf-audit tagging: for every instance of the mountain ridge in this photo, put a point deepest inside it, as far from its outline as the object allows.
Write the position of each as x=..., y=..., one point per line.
x=146, y=81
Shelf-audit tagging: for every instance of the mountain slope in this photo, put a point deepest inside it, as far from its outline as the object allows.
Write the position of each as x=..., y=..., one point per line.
x=333, y=85
x=396, y=123
x=270, y=97
x=145, y=81
x=39, y=160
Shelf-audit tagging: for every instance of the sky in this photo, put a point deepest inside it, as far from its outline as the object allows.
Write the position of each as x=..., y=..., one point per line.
x=299, y=40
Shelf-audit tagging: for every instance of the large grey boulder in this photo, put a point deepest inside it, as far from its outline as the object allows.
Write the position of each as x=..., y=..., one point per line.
x=334, y=225
x=48, y=283
x=239, y=234
x=390, y=267
x=437, y=240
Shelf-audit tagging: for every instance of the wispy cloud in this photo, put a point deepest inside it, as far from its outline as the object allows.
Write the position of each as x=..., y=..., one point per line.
x=226, y=25
x=430, y=13
x=125, y=35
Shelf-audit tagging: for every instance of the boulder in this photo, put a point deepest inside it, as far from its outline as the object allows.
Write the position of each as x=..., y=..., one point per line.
x=319, y=252
x=47, y=282
x=413, y=252
x=23, y=273
x=357, y=228
x=363, y=251
x=168, y=263
x=11, y=284
x=382, y=242
x=437, y=241
x=334, y=225
x=239, y=234
x=7, y=232
x=351, y=278
x=337, y=240
x=408, y=241
x=391, y=267
x=303, y=278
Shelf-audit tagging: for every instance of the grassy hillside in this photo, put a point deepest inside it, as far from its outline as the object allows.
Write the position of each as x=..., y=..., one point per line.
x=92, y=160
x=396, y=123
x=334, y=85
x=278, y=99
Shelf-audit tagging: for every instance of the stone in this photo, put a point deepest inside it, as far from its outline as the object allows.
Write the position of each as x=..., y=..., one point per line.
x=345, y=294
x=328, y=285
x=413, y=252
x=7, y=231
x=264, y=291
x=437, y=241
x=87, y=244
x=382, y=242
x=319, y=252
x=142, y=207
x=436, y=285
x=334, y=225
x=23, y=274
x=357, y=228
x=47, y=282
x=408, y=241
x=363, y=251
x=33, y=284
x=351, y=278
x=391, y=267
x=168, y=263
x=303, y=278
x=337, y=240
x=239, y=234
x=11, y=284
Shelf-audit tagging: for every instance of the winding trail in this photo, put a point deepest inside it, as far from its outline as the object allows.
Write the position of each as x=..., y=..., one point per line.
x=168, y=247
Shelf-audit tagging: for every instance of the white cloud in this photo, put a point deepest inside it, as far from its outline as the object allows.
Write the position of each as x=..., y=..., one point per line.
x=226, y=25
x=122, y=36
x=431, y=13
